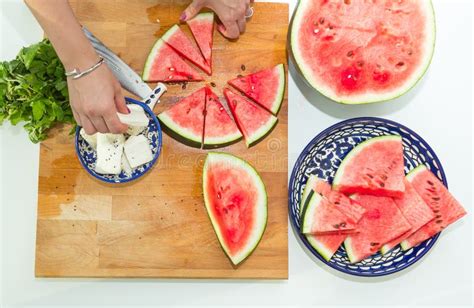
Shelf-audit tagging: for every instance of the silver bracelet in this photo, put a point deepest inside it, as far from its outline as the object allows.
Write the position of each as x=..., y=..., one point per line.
x=76, y=73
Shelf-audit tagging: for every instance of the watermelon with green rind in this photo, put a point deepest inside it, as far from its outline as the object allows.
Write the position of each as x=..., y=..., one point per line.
x=266, y=87
x=253, y=121
x=202, y=28
x=237, y=209
x=180, y=43
x=357, y=52
x=445, y=207
x=375, y=166
x=164, y=64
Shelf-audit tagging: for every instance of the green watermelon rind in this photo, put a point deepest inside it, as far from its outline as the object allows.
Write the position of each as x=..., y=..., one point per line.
x=171, y=31
x=262, y=131
x=307, y=190
x=276, y=104
x=375, y=98
x=350, y=252
x=311, y=207
x=261, y=222
x=181, y=131
x=222, y=140
x=361, y=146
x=151, y=57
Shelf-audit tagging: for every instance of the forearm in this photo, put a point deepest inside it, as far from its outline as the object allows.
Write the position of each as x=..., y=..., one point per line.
x=64, y=31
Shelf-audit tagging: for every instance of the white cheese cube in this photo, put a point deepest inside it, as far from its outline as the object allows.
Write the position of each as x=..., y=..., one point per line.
x=135, y=130
x=136, y=117
x=126, y=165
x=90, y=139
x=109, y=153
x=138, y=152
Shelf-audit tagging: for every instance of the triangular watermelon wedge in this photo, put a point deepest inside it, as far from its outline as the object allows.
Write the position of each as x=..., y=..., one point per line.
x=202, y=27
x=253, y=121
x=445, y=207
x=164, y=64
x=374, y=167
x=265, y=87
x=180, y=43
x=219, y=127
x=186, y=118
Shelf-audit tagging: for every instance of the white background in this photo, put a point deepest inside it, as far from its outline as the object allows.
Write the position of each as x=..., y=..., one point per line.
x=439, y=109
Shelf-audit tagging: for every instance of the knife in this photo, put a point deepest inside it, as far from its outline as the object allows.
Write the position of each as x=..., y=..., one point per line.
x=127, y=77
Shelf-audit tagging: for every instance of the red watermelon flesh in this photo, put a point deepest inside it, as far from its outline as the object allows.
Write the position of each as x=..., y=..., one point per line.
x=176, y=38
x=374, y=167
x=202, y=27
x=265, y=87
x=382, y=222
x=219, y=126
x=164, y=64
x=253, y=121
x=415, y=210
x=446, y=208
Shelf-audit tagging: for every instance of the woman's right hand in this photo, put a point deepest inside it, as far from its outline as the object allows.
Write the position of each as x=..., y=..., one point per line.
x=95, y=100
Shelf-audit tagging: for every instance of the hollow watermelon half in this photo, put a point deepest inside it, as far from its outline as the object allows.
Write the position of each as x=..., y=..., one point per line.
x=164, y=64
x=265, y=87
x=219, y=128
x=186, y=118
x=357, y=52
x=237, y=208
x=445, y=207
x=180, y=43
x=202, y=27
x=374, y=167
x=253, y=121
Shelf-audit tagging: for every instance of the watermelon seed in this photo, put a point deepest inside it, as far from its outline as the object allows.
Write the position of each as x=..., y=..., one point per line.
x=213, y=84
x=384, y=177
x=184, y=86
x=321, y=20
x=360, y=63
x=410, y=52
x=439, y=221
x=219, y=195
x=242, y=67
x=436, y=211
x=438, y=216
x=374, y=244
x=172, y=69
x=240, y=76
x=431, y=183
x=342, y=224
x=350, y=54
x=347, y=2
x=370, y=176
x=336, y=226
x=436, y=198
x=316, y=31
x=253, y=87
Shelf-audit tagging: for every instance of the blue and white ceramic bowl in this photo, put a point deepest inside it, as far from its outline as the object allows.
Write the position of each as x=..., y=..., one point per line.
x=323, y=155
x=88, y=156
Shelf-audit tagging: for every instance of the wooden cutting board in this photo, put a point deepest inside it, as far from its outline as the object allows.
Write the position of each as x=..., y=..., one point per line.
x=158, y=225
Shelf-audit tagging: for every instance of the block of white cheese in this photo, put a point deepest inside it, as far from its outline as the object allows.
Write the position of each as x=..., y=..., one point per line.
x=136, y=120
x=126, y=165
x=90, y=139
x=138, y=152
x=109, y=153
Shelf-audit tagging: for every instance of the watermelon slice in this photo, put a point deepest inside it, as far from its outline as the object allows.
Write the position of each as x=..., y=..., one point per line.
x=415, y=210
x=202, y=27
x=180, y=43
x=237, y=209
x=186, y=118
x=321, y=217
x=254, y=122
x=445, y=207
x=265, y=87
x=382, y=222
x=164, y=64
x=362, y=51
x=374, y=167
x=219, y=127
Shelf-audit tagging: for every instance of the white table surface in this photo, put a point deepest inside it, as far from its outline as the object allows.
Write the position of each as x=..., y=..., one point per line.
x=439, y=109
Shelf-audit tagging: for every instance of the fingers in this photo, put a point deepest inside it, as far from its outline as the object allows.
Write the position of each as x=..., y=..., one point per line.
x=192, y=10
x=120, y=101
x=113, y=124
x=88, y=126
x=242, y=24
x=229, y=29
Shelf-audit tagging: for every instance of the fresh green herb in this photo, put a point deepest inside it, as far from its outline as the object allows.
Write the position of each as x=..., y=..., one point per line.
x=33, y=90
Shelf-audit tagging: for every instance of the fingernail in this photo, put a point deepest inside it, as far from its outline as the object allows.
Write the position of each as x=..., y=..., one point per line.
x=183, y=17
x=129, y=110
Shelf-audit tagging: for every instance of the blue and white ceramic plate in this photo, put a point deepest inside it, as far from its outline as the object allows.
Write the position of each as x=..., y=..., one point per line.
x=323, y=155
x=88, y=156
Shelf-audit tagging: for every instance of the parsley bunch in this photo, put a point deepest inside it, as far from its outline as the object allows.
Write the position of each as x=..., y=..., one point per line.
x=33, y=90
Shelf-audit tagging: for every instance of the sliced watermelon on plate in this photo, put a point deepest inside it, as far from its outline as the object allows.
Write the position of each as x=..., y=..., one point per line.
x=374, y=167
x=382, y=222
x=415, y=210
x=186, y=118
x=164, y=64
x=237, y=209
x=180, y=43
x=445, y=207
x=219, y=127
x=202, y=27
x=265, y=87
x=253, y=121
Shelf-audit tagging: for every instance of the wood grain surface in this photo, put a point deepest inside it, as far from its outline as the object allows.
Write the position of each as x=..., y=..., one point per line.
x=158, y=226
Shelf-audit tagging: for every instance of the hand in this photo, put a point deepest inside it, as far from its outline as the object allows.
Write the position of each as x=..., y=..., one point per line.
x=230, y=12
x=95, y=100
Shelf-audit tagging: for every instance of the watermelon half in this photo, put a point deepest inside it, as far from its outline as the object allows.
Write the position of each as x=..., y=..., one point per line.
x=375, y=167
x=186, y=118
x=219, y=128
x=382, y=222
x=202, y=27
x=253, y=121
x=266, y=87
x=357, y=52
x=237, y=208
x=445, y=207
x=180, y=43
x=164, y=64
